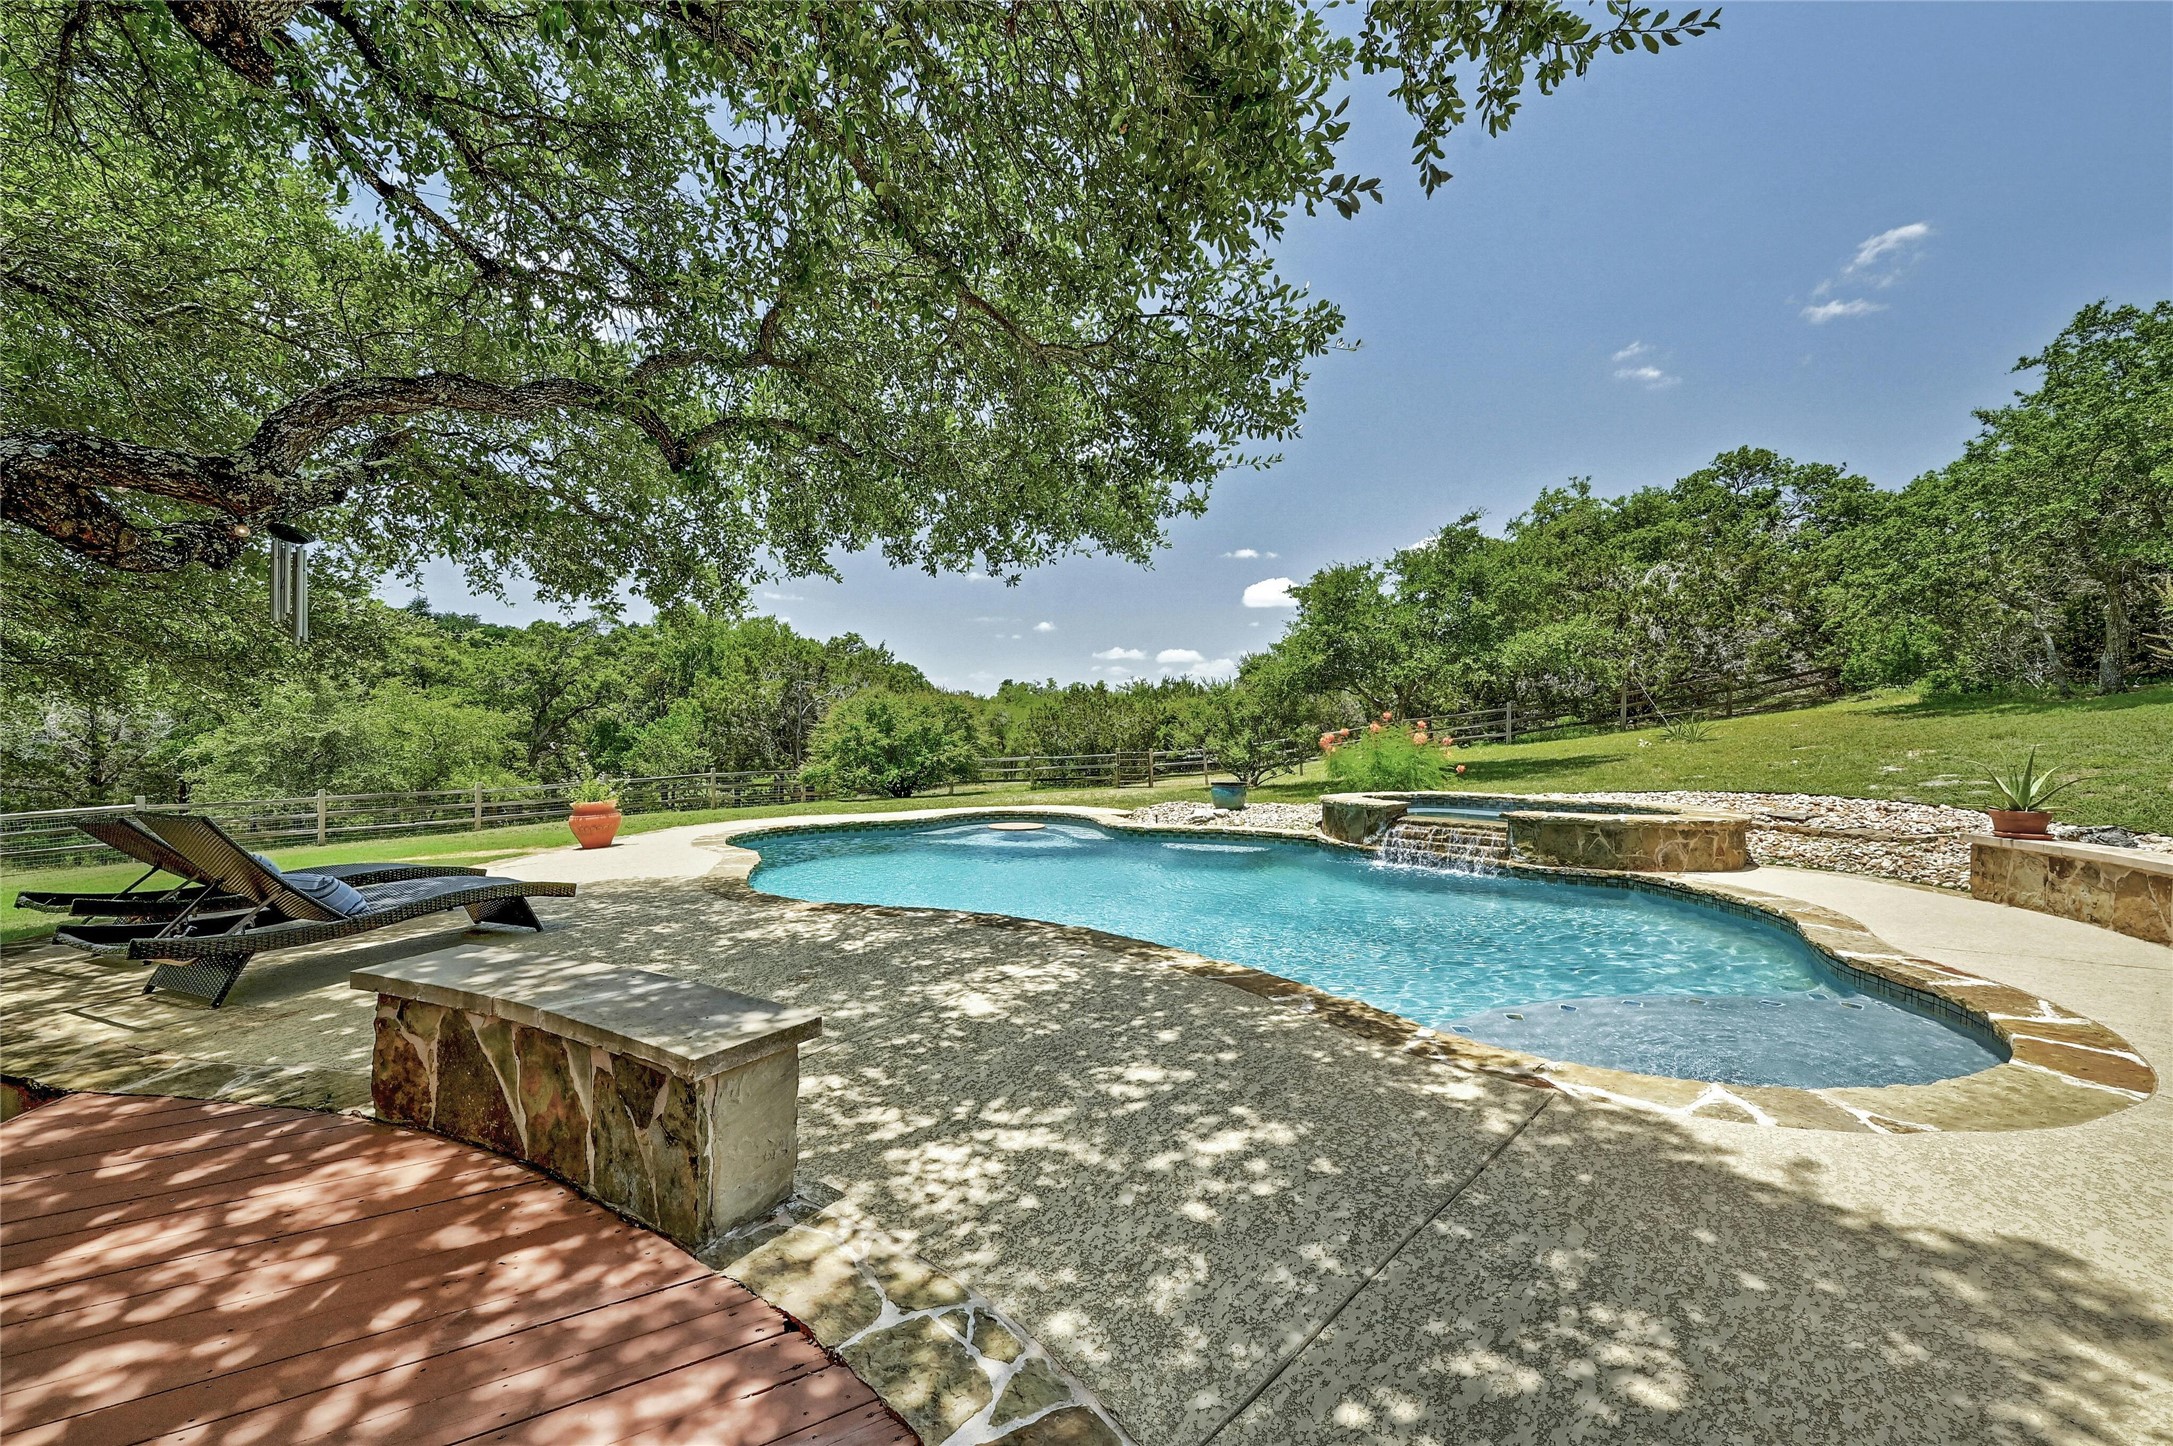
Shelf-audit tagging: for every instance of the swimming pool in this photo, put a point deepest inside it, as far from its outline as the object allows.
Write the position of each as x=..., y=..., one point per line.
x=1622, y=977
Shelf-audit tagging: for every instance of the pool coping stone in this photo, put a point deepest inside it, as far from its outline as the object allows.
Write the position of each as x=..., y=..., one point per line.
x=2063, y=1068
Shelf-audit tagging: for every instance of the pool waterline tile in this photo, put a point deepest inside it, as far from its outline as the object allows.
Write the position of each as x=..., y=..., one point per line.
x=2065, y=1087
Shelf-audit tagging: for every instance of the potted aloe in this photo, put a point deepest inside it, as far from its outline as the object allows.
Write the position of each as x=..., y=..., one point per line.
x=596, y=817
x=2024, y=789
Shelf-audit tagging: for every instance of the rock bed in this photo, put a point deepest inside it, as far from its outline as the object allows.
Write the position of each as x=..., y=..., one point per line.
x=1923, y=843
x=1918, y=843
x=1285, y=817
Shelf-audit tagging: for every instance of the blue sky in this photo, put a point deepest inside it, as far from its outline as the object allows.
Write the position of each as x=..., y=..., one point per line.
x=1626, y=283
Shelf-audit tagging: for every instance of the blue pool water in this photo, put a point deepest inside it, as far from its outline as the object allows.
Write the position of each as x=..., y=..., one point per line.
x=1625, y=978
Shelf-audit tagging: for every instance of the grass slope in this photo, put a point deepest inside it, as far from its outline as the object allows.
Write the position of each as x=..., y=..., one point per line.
x=1893, y=745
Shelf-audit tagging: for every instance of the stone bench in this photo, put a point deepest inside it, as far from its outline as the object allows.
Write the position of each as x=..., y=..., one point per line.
x=2128, y=890
x=671, y=1101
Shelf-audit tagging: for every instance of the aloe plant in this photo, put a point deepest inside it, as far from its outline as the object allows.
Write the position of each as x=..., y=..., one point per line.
x=1687, y=728
x=2023, y=787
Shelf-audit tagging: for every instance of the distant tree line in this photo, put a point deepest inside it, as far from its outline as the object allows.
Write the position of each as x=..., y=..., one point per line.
x=403, y=699
x=2039, y=558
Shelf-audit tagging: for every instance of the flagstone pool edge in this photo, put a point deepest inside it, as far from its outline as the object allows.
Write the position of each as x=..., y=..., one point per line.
x=2064, y=1068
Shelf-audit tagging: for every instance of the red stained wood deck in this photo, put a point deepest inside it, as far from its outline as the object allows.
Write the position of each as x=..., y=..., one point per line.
x=182, y=1271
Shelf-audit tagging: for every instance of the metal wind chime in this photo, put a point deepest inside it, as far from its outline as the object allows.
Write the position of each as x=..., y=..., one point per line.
x=290, y=580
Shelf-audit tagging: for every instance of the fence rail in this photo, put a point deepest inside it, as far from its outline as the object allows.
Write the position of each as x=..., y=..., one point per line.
x=1636, y=708
x=49, y=836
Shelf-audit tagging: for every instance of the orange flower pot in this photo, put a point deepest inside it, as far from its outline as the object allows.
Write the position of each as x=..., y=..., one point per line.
x=594, y=825
x=2020, y=823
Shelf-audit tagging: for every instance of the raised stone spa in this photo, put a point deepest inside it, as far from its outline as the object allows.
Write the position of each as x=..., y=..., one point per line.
x=1558, y=832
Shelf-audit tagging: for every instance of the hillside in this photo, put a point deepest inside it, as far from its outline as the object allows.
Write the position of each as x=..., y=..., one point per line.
x=1889, y=745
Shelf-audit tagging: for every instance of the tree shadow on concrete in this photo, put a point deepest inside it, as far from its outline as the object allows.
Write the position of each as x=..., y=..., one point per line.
x=1198, y=1199
x=1235, y=1222
x=1618, y=1276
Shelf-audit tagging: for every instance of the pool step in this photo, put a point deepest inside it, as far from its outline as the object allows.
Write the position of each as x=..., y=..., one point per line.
x=1467, y=847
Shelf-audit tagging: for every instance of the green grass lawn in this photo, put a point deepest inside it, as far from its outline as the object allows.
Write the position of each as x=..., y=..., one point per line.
x=1892, y=745
x=471, y=847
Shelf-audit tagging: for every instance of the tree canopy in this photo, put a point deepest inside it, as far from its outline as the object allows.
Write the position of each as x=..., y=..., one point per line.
x=2037, y=557
x=672, y=292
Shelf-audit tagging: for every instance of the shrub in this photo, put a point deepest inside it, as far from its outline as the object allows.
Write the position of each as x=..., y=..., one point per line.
x=1250, y=731
x=892, y=744
x=1388, y=760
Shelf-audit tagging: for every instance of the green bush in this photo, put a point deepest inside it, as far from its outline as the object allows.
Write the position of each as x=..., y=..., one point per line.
x=1389, y=761
x=893, y=744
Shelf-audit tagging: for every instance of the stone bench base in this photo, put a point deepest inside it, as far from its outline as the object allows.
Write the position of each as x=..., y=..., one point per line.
x=2122, y=889
x=691, y=1134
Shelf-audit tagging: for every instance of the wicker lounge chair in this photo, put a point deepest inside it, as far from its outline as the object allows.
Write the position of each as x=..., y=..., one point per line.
x=121, y=834
x=202, y=952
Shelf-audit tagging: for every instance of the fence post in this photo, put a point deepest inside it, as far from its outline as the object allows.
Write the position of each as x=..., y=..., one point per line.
x=1150, y=768
x=479, y=808
x=139, y=803
x=1203, y=767
x=320, y=816
x=712, y=787
x=1509, y=721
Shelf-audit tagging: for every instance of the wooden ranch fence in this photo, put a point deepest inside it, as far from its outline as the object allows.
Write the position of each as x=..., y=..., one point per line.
x=50, y=836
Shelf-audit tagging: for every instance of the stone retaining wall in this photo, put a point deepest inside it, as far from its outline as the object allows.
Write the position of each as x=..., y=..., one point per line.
x=1638, y=842
x=2118, y=889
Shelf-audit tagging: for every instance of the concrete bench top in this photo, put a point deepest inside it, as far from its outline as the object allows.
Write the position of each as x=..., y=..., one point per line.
x=693, y=1030
x=2143, y=861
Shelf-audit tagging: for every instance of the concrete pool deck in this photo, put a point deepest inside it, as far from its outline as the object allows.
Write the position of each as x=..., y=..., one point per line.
x=1236, y=1225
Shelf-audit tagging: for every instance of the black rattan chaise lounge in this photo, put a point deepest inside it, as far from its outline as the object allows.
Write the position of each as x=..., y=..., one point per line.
x=121, y=834
x=203, y=951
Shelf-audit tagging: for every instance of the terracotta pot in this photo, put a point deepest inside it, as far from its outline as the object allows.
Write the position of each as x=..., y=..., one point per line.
x=594, y=825
x=2020, y=823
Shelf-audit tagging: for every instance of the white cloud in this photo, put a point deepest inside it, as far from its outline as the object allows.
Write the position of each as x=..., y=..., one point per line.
x=1114, y=670
x=1270, y=592
x=1249, y=554
x=1178, y=655
x=1879, y=262
x=1826, y=311
x=1111, y=655
x=1218, y=671
x=1044, y=627
x=1638, y=363
x=1895, y=243
x=1650, y=377
x=784, y=597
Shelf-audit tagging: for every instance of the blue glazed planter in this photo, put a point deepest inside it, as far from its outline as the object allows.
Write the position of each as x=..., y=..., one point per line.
x=1227, y=795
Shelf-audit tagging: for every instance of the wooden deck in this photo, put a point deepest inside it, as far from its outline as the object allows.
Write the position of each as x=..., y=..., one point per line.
x=182, y=1271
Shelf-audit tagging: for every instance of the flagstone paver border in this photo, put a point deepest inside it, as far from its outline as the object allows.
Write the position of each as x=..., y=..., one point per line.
x=2063, y=1068
x=939, y=1353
